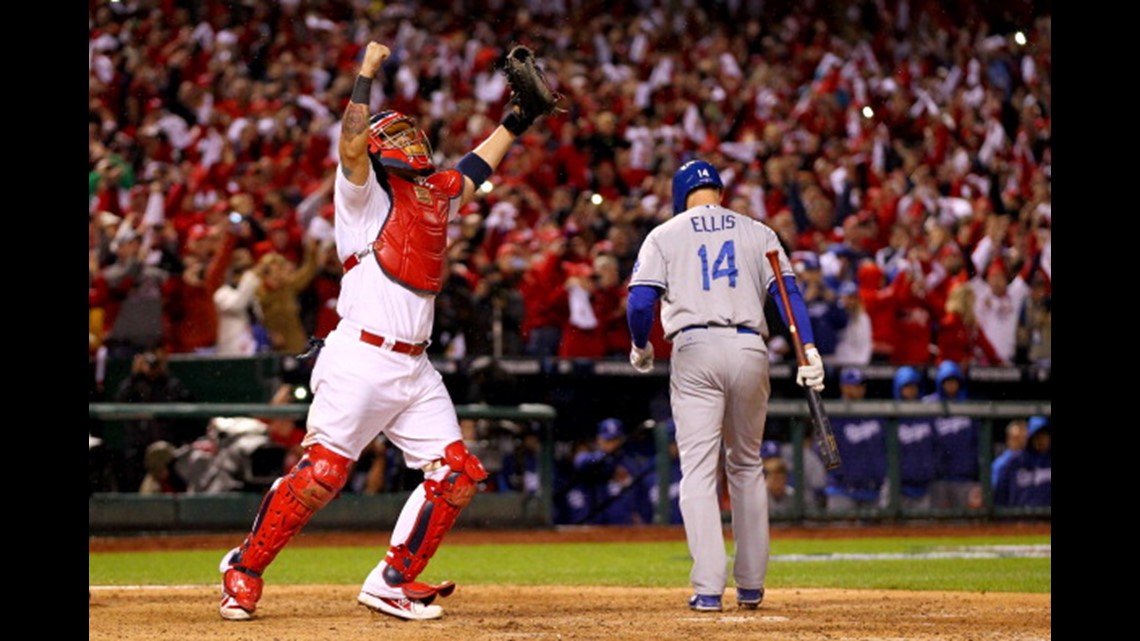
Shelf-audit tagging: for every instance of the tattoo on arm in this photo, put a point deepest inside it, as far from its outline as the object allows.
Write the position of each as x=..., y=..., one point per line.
x=355, y=120
x=352, y=127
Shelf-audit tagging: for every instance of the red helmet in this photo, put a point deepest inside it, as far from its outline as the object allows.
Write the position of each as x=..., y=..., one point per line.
x=399, y=144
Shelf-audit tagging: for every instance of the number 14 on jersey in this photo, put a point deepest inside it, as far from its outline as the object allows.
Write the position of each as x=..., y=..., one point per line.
x=723, y=267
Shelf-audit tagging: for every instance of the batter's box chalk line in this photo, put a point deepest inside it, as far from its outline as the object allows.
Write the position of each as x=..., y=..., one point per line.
x=735, y=619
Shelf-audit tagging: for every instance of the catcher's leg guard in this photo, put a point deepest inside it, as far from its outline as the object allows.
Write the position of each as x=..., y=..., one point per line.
x=287, y=507
x=444, y=497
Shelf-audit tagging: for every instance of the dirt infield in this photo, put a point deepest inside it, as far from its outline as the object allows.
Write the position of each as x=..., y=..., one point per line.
x=485, y=612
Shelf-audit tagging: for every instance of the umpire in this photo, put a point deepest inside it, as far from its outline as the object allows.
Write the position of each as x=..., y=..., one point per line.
x=708, y=266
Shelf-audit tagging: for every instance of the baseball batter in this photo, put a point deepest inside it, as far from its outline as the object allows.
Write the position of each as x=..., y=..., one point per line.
x=708, y=267
x=372, y=376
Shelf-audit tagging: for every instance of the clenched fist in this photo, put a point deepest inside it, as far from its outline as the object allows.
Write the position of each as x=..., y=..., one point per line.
x=374, y=56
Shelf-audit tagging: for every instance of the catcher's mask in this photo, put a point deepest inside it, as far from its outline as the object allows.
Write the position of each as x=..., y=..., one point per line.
x=398, y=143
x=693, y=175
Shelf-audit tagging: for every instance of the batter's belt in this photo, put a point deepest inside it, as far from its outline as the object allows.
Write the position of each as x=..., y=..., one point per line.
x=740, y=329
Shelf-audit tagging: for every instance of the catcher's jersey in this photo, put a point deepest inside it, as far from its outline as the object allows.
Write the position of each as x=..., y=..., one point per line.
x=369, y=299
x=711, y=263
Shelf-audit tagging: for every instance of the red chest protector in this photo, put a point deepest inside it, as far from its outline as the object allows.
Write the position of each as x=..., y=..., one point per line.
x=412, y=244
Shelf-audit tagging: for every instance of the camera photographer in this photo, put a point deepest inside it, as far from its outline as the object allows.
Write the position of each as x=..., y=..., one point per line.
x=150, y=381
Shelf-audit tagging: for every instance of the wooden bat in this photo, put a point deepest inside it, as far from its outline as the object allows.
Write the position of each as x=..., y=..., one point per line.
x=828, y=450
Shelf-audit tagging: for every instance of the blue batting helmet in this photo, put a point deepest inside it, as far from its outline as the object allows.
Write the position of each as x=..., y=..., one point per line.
x=693, y=175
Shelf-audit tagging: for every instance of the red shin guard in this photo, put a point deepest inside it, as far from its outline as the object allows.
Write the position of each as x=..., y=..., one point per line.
x=316, y=479
x=445, y=500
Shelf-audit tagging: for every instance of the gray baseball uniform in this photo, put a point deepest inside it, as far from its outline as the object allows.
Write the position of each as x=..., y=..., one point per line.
x=710, y=264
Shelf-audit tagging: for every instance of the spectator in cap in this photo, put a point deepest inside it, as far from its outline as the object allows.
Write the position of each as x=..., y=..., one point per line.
x=617, y=494
x=191, y=313
x=917, y=453
x=862, y=442
x=914, y=318
x=601, y=489
x=892, y=258
x=160, y=477
x=880, y=302
x=609, y=298
x=542, y=288
x=1026, y=478
x=957, y=483
x=855, y=342
x=827, y=316
x=283, y=237
x=948, y=266
x=998, y=299
x=582, y=335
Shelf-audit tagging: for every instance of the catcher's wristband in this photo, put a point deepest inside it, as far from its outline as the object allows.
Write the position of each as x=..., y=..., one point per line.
x=474, y=167
x=515, y=123
x=362, y=90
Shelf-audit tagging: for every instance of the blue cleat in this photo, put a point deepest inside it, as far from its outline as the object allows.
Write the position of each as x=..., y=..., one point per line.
x=748, y=599
x=705, y=603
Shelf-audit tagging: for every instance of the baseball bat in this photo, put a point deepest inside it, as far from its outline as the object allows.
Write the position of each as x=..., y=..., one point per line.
x=828, y=450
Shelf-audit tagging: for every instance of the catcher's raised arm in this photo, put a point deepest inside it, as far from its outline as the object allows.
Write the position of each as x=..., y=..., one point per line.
x=531, y=98
x=353, y=145
x=531, y=95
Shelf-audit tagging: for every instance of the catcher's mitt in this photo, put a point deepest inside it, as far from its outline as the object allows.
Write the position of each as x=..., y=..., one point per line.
x=530, y=92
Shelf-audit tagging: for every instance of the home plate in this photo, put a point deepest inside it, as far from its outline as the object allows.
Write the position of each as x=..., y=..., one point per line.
x=731, y=619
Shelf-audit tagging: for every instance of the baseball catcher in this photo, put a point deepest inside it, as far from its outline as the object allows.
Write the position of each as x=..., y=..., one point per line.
x=393, y=208
x=531, y=95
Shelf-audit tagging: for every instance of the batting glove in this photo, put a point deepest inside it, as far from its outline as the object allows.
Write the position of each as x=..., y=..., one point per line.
x=811, y=375
x=641, y=359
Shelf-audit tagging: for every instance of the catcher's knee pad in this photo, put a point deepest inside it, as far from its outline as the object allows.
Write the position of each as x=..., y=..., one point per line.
x=314, y=481
x=443, y=501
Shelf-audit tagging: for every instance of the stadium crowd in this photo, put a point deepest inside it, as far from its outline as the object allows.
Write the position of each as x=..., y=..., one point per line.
x=900, y=148
x=903, y=156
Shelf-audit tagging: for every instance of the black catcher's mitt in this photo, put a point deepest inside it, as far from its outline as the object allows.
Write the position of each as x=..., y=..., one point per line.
x=530, y=91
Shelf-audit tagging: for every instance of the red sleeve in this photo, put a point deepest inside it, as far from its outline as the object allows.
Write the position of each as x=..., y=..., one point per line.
x=216, y=274
x=173, y=201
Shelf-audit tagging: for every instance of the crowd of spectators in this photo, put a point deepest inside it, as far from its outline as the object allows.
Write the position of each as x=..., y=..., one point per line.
x=900, y=148
x=904, y=145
